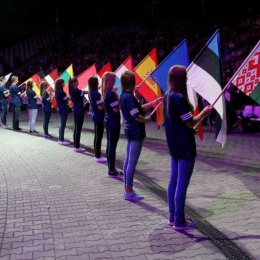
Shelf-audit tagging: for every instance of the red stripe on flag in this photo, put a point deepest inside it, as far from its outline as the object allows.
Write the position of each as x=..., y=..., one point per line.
x=199, y=127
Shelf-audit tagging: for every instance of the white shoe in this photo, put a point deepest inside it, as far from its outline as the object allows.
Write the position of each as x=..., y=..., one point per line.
x=79, y=150
x=63, y=143
x=101, y=159
x=5, y=126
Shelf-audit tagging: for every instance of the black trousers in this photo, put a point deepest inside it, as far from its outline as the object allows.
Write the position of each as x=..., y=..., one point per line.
x=16, y=116
x=113, y=134
x=46, y=120
x=78, y=123
x=98, y=136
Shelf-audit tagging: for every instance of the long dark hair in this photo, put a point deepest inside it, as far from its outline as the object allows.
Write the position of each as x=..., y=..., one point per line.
x=29, y=85
x=59, y=84
x=43, y=87
x=108, y=81
x=93, y=83
x=71, y=82
x=127, y=81
x=177, y=81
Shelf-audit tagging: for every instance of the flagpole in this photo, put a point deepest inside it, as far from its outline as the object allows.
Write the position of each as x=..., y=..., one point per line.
x=231, y=79
x=136, y=87
x=156, y=108
x=50, y=87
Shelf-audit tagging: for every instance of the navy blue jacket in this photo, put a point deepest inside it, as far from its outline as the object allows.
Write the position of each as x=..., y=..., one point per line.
x=131, y=108
x=31, y=99
x=112, y=119
x=46, y=103
x=3, y=99
x=97, y=115
x=77, y=96
x=180, y=138
x=62, y=102
x=15, y=95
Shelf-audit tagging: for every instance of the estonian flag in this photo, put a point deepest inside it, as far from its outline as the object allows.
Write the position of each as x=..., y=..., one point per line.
x=205, y=77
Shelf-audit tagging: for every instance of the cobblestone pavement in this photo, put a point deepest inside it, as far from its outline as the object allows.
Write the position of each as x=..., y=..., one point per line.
x=58, y=204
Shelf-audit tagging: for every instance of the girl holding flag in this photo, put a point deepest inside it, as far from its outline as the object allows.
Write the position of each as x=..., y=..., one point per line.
x=135, y=119
x=46, y=107
x=180, y=137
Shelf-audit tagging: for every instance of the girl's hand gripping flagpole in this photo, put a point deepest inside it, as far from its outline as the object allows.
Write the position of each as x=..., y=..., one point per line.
x=196, y=126
x=160, y=102
x=138, y=86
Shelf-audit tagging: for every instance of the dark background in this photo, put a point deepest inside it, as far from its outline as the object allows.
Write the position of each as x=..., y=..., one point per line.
x=21, y=17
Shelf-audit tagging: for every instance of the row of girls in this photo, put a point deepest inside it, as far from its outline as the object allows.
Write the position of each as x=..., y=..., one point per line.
x=105, y=114
x=179, y=127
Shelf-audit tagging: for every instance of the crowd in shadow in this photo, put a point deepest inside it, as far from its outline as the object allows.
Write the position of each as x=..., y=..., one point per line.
x=115, y=43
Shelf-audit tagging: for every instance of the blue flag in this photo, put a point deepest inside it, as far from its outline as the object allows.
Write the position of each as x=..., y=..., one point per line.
x=179, y=55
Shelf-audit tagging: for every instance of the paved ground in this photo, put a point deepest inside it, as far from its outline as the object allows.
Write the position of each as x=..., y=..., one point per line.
x=57, y=204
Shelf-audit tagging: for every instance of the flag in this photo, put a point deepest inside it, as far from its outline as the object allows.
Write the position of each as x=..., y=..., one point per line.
x=247, y=77
x=100, y=74
x=36, y=78
x=106, y=68
x=205, y=77
x=50, y=78
x=66, y=75
x=179, y=56
x=84, y=76
x=147, y=86
x=7, y=77
x=126, y=65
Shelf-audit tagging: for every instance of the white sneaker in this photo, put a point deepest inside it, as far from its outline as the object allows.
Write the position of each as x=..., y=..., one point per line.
x=101, y=159
x=5, y=126
x=79, y=150
x=63, y=143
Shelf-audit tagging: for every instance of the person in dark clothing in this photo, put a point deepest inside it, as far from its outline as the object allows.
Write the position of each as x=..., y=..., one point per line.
x=97, y=116
x=46, y=97
x=32, y=106
x=135, y=119
x=77, y=98
x=62, y=108
x=4, y=94
x=111, y=120
x=180, y=137
x=15, y=94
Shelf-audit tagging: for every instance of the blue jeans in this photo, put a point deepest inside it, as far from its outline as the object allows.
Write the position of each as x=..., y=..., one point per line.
x=32, y=118
x=5, y=108
x=181, y=171
x=133, y=151
x=63, y=122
